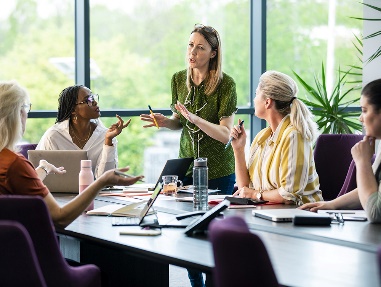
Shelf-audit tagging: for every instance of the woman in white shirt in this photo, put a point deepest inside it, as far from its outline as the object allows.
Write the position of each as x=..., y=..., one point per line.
x=78, y=127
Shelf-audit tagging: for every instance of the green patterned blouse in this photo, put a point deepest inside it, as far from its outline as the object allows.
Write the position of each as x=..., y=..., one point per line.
x=194, y=142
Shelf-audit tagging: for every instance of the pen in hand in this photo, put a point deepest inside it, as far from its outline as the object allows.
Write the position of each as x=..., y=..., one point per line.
x=150, y=110
x=231, y=138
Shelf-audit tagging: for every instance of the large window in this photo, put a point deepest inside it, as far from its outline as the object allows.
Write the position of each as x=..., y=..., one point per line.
x=301, y=35
x=135, y=48
x=37, y=50
x=137, y=45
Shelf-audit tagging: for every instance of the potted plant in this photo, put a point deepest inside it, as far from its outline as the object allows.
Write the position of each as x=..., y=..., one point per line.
x=332, y=112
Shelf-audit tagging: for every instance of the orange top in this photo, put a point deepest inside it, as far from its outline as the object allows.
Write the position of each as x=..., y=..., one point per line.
x=18, y=176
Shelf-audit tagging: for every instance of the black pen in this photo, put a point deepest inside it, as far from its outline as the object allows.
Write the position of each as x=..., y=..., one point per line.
x=231, y=138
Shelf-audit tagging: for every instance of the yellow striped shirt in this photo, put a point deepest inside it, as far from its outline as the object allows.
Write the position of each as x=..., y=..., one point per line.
x=284, y=161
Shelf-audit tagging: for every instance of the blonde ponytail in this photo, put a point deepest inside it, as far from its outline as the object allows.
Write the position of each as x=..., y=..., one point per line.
x=283, y=89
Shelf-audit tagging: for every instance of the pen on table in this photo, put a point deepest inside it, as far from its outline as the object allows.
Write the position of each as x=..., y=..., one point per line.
x=117, y=172
x=150, y=110
x=231, y=138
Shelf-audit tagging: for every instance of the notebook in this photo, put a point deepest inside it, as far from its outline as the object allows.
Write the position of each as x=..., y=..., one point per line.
x=146, y=219
x=177, y=166
x=283, y=215
x=69, y=159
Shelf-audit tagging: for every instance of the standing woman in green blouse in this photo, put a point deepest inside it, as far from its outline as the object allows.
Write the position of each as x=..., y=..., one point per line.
x=204, y=101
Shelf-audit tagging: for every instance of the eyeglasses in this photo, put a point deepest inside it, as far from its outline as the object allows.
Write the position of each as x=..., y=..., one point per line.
x=90, y=100
x=208, y=29
x=337, y=217
x=27, y=107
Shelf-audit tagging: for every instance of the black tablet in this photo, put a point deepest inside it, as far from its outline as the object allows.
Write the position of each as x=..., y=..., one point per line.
x=201, y=224
x=244, y=201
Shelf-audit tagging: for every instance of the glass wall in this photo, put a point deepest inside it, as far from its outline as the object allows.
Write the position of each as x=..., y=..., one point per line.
x=135, y=48
x=301, y=35
x=137, y=45
x=37, y=50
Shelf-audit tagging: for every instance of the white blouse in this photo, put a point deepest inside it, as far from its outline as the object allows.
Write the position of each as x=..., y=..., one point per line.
x=103, y=157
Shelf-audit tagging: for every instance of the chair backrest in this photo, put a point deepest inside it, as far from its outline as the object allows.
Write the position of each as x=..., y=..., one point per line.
x=18, y=261
x=333, y=156
x=240, y=257
x=25, y=147
x=379, y=260
x=32, y=213
x=350, y=182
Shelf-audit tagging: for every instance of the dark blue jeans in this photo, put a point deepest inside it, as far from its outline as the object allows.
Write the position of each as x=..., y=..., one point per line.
x=226, y=185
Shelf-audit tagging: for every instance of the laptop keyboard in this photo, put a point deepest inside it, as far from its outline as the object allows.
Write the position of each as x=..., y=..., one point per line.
x=125, y=221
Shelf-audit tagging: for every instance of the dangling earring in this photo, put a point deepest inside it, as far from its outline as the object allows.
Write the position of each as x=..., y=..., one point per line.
x=75, y=119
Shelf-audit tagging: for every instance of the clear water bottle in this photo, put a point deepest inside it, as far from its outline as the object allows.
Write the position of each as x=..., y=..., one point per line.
x=200, y=184
x=86, y=177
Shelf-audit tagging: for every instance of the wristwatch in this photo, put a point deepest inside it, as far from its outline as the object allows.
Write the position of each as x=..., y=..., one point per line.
x=259, y=194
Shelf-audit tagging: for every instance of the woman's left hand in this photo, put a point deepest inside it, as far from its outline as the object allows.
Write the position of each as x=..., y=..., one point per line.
x=50, y=168
x=246, y=192
x=116, y=129
x=184, y=111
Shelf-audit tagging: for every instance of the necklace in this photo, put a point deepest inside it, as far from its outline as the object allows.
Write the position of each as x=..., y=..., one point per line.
x=77, y=137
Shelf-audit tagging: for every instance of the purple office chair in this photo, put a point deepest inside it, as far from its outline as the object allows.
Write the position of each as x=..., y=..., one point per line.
x=333, y=156
x=18, y=261
x=240, y=257
x=379, y=260
x=350, y=182
x=25, y=147
x=32, y=212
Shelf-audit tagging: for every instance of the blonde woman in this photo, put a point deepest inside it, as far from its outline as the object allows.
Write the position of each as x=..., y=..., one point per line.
x=204, y=101
x=280, y=166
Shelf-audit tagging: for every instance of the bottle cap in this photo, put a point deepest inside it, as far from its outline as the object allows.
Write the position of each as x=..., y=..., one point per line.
x=200, y=162
x=86, y=163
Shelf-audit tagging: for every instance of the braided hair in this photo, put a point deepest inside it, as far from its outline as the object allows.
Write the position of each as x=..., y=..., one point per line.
x=66, y=102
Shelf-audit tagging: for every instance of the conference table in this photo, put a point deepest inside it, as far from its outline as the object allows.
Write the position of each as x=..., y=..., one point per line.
x=336, y=255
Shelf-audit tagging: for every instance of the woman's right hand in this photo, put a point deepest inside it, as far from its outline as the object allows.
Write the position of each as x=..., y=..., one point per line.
x=315, y=206
x=110, y=178
x=160, y=119
x=239, y=136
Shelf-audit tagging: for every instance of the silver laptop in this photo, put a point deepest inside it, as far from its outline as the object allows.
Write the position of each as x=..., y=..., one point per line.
x=69, y=159
x=153, y=220
x=283, y=215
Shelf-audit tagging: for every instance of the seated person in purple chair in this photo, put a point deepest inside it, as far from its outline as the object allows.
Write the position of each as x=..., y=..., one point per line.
x=17, y=175
x=281, y=166
x=368, y=192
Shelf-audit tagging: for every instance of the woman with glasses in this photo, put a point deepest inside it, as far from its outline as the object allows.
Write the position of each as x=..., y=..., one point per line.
x=78, y=127
x=17, y=175
x=204, y=102
x=367, y=195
